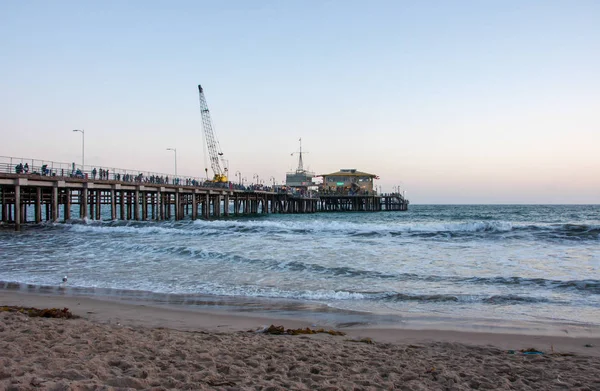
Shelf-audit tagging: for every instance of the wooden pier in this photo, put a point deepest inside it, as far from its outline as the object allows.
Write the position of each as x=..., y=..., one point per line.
x=53, y=197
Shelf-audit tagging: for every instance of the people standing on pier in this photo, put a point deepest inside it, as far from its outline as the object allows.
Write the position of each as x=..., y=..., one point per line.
x=26, y=168
x=94, y=172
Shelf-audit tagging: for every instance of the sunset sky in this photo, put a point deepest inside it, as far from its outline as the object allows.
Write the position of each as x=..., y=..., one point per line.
x=453, y=101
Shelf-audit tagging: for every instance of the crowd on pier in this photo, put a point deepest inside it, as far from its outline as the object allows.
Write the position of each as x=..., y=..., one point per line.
x=141, y=178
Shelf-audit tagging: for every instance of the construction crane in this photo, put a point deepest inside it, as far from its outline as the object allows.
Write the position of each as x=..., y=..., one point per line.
x=212, y=144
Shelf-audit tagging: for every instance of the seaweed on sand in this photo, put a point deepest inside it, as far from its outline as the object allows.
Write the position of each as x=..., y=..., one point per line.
x=280, y=330
x=42, y=313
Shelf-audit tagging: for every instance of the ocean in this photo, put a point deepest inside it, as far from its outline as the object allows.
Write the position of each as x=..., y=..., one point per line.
x=481, y=265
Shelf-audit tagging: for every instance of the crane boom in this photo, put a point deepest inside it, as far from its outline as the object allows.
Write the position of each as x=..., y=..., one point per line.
x=212, y=144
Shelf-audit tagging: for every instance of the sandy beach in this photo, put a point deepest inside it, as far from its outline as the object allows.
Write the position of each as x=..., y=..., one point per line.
x=118, y=346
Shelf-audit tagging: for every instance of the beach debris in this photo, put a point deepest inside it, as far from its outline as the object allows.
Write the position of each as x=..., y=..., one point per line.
x=42, y=313
x=215, y=382
x=64, y=279
x=280, y=330
x=366, y=340
x=531, y=351
x=588, y=345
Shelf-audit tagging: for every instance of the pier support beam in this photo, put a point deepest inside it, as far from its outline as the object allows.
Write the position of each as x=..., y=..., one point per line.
x=17, y=207
x=84, y=202
x=67, y=213
x=4, y=205
x=178, y=205
x=54, y=204
x=194, y=206
x=158, y=206
x=122, y=204
x=91, y=201
x=136, y=204
x=38, y=205
x=98, y=205
x=113, y=205
x=144, y=206
x=226, y=205
x=206, y=207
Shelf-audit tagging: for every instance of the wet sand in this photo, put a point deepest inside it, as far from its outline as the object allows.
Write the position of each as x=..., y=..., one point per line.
x=117, y=345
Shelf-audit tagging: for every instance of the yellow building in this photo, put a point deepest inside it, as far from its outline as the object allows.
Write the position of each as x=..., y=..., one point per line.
x=348, y=181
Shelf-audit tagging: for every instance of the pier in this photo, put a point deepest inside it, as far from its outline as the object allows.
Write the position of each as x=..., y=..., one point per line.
x=56, y=194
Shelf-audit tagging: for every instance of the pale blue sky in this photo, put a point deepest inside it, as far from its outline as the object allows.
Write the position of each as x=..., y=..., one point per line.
x=456, y=101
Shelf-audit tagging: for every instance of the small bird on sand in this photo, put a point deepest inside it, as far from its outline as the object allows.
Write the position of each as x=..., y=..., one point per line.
x=64, y=279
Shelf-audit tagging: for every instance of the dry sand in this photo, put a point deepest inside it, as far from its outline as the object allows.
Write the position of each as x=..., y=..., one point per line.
x=116, y=346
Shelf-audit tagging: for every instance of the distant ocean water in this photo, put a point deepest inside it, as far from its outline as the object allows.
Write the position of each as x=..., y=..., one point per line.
x=493, y=262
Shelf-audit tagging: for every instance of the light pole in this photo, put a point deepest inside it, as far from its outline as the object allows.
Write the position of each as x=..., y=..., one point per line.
x=273, y=179
x=174, y=150
x=255, y=176
x=82, y=148
x=239, y=174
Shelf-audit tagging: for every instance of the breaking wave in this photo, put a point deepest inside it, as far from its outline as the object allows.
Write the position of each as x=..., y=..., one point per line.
x=336, y=228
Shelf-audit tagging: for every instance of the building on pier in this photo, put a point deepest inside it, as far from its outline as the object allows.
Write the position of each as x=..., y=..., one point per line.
x=301, y=180
x=348, y=181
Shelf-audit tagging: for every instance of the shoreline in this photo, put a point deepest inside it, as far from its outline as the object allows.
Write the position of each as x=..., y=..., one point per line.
x=312, y=311
x=149, y=315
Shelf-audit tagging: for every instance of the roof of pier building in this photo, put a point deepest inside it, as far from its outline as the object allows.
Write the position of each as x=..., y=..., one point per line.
x=350, y=172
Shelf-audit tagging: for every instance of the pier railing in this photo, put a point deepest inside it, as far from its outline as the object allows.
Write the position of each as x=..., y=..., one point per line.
x=18, y=165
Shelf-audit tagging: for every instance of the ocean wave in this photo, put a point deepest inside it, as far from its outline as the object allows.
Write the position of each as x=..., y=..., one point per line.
x=513, y=299
x=589, y=286
x=422, y=298
x=196, y=253
x=443, y=298
x=250, y=290
x=341, y=228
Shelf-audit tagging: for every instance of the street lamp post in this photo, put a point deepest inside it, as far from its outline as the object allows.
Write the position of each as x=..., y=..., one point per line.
x=255, y=176
x=273, y=179
x=82, y=148
x=174, y=150
x=239, y=175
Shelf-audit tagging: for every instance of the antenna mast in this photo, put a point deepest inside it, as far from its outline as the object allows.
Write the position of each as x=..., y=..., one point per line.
x=300, y=163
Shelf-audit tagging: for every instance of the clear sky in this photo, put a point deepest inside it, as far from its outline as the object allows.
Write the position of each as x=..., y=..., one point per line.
x=455, y=101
